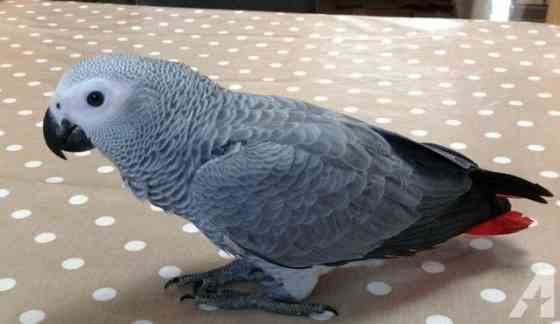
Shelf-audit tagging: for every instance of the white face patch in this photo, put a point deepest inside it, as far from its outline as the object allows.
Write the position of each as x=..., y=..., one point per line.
x=72, y=104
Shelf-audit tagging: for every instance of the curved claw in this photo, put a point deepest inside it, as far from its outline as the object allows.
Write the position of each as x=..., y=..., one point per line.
x=186, y=296
x=171, y=282
x=331, y=309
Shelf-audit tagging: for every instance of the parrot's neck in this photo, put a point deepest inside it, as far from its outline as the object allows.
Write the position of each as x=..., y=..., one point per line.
x=161, y=168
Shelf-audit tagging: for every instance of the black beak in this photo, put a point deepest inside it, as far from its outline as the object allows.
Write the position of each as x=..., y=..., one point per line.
x=65, y=136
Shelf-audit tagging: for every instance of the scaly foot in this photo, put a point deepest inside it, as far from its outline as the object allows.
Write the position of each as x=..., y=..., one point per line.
x=211, y=297
x=238, y=270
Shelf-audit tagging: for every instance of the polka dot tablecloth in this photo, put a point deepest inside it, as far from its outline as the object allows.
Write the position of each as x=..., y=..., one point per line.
x=77, y=248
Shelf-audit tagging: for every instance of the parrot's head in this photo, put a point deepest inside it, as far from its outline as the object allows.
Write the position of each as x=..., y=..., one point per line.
x=111, y=101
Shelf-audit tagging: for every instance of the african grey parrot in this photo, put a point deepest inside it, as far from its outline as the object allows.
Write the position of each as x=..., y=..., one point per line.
x=292, y=189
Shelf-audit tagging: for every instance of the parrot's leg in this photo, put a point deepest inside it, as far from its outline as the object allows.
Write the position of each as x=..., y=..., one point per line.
x=211, y=297
x=238, y=270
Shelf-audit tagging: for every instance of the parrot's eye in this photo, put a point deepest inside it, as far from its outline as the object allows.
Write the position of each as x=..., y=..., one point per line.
x=95, y=98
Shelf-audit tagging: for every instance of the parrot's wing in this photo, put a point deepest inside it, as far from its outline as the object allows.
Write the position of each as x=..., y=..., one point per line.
x=317, y=189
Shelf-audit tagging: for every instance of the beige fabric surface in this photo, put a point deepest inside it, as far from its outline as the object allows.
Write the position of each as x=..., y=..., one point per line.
x=68, y=229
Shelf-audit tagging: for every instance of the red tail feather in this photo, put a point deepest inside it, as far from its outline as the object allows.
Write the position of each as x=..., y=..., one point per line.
x=507, y=223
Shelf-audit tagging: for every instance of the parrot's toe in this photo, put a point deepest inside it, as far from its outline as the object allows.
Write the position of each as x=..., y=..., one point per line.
x=171, y=282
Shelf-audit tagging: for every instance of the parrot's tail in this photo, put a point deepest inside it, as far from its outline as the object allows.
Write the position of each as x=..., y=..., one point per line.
x=484, y=210
x=506, y=186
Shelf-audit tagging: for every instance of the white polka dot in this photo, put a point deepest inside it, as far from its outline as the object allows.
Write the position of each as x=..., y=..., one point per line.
x=526, y=63
x=82, y=154
x=73, y=263
x=155, y=208
x=54, y=180
x=9, y=100
x=225, y=254
x=105, y=169
x=169, y=271
x=384, y=100
x=354, y=91
x=25, y=112
x=446, y=85
x=544, y=95
x=479, y=94
x=516, y=103
x=320, y=98
x=293, y=89
x=21, y=213
x=554, y=113
x=493, y=295
x=535, y=148
x=135, y=246
x=19, y=74
x=493, y=135
x=473, y=77
x=458, y=146
x=378, y=288
x=500, y=69
x=449, y=102
x=549, y=174
x=104, y=294
x=350, y=109
x=383, y=120
x=481, y=244
x=33, y=316
x=415, y=93
x=190, y=228
x=543, y=269
x=525, y=123
x=453, y=122
x=104, y=221
x=534, y=78
x=507, y=85
x=356, y=75
x=417, y=111
x=438, y=319
x=45, y=237
x=4, y=193
x=540, y=43
x=78, y=199
x=433, y=266
x=419, y=132
x=485, y=112
x=501, y=160
x=7, y=284
x=33, y=164
x=384, y=83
